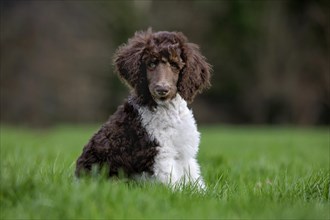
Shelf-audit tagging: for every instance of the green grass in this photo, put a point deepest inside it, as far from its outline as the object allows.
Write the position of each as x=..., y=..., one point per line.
x=251, y=172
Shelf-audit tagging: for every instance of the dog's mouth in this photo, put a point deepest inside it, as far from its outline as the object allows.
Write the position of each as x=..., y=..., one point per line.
x=163, y=99
x=160, y=97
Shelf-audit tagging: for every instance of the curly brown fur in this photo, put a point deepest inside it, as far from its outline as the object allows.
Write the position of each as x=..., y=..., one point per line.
x=122, y=143
x=130, y=60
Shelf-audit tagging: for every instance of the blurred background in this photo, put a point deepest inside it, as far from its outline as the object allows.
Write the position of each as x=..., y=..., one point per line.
x=270, y=58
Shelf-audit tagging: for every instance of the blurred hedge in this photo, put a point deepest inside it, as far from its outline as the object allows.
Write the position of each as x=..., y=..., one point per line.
x=270, y=58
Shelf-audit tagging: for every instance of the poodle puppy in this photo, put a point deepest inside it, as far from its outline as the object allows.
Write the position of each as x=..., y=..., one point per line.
x=153, y=134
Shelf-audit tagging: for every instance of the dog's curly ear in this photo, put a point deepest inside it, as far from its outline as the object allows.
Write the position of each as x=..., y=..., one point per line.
x=196, y=74
x=127, y=58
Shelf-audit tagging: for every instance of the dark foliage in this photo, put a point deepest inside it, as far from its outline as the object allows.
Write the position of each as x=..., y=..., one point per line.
x=270, y=58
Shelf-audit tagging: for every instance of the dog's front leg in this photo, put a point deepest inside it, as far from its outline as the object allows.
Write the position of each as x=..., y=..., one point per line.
x=192, y=174
x=165, y=167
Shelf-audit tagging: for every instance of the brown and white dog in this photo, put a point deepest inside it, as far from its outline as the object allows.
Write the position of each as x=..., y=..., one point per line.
x=153, y=133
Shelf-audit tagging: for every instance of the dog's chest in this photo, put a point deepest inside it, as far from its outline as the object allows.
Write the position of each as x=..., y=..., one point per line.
x=173, y=127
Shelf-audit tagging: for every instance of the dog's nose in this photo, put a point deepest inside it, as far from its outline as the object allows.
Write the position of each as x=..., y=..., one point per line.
x=162, y=90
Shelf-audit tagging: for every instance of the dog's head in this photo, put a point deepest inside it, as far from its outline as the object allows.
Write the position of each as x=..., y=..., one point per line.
x=158, y=65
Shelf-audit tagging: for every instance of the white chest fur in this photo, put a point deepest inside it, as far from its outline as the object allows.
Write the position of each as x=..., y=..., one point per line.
x=173, y=126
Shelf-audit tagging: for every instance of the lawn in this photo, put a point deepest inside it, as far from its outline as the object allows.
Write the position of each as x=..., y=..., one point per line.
x=251, y=172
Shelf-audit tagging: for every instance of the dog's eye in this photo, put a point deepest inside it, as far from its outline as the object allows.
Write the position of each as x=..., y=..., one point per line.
x=175, y=66
x=152, y=64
